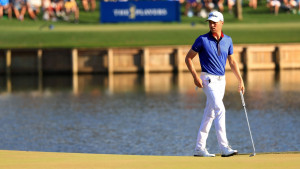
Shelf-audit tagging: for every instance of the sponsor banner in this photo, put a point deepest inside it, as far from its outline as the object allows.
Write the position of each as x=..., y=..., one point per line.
x=139, y=11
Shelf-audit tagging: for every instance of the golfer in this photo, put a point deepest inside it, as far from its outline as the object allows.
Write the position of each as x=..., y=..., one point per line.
x=213, y=48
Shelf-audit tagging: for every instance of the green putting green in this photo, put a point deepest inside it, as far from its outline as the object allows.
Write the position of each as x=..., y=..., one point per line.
x=49, y=160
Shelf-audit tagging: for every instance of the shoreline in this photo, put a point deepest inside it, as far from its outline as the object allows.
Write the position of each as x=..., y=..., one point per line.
x=139, y=59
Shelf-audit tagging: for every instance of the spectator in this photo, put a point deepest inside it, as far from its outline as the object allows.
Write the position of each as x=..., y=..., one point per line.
x=210, y=5
x=33, y=7
x=253, y=4
x=291, y=5
x=58, y=5
x=5, y=6
x=298, y=3
x=274, y=5
x=89, y=4
x=71, y=7
x=19, y=9
x=48, y=11
x=220, y=5
x=230, y=4
x=192, y=5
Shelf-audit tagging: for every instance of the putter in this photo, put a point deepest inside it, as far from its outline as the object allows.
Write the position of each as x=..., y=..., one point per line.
x=244, y=105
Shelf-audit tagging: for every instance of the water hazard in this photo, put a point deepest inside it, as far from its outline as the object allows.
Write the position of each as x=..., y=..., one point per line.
x=152, y=114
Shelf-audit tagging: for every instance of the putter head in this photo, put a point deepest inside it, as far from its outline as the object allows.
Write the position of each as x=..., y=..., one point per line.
x=253, y=154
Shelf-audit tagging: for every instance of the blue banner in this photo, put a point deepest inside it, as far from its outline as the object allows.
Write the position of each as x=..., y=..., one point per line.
x=139, y=11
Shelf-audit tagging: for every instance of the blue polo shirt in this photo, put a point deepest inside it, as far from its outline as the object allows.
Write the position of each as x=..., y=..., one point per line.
x=212, y=53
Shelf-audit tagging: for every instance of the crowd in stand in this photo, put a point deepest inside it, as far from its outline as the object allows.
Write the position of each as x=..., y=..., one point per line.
x=202, y=7
x=50, y=9
x=68, y=9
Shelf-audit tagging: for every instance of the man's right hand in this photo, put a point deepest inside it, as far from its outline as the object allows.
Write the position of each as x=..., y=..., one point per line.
x=198, y=82
x=188, y=60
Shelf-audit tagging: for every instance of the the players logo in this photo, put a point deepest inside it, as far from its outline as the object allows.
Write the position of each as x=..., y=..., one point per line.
x=132, y=11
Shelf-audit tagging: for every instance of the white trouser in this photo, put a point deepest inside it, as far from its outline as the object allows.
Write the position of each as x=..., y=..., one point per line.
x=214, y=89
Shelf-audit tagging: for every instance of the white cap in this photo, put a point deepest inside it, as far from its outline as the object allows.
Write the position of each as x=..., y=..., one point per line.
x=215, y=16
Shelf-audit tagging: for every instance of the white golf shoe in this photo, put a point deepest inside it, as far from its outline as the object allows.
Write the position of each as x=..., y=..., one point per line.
x=203, y=153
x=227, y=152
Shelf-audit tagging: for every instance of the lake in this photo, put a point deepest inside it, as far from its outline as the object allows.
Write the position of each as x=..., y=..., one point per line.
x=151, y=114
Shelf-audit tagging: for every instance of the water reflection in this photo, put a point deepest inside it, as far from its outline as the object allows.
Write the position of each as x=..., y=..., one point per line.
x=255, y=81
x=152, y=114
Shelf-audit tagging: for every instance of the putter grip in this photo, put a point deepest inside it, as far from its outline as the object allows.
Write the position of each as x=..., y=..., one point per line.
x=242, y=98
